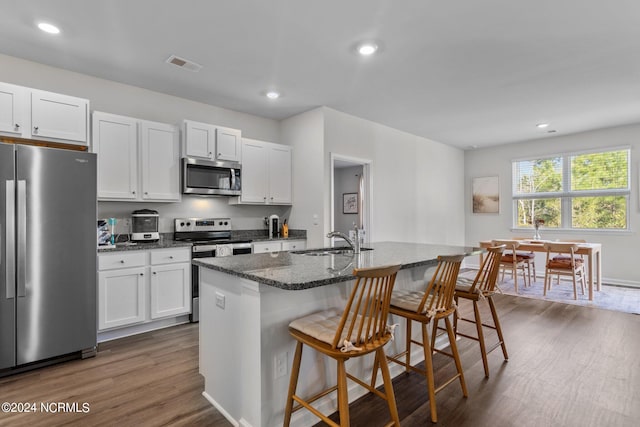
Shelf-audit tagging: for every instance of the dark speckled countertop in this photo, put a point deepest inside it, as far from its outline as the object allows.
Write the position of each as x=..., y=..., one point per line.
x=290, y=271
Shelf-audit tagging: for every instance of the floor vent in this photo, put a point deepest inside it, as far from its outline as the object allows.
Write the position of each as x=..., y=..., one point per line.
x=184, y=63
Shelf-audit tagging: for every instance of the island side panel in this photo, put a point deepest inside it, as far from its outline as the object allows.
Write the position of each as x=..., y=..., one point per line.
x=222, y=345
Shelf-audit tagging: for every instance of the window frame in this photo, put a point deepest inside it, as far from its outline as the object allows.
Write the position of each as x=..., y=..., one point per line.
x=566, y=196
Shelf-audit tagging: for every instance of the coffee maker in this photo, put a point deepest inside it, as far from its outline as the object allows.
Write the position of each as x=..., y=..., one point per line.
x=274, y=226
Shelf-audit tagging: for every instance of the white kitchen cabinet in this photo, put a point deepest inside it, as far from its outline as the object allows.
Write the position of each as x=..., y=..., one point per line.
x=267, y=247
x=115, y=140
x=59, y=117
x=138, y=160
x=266, y=174
x=211, y=142
x=41, y=115
x=140, y=287
x=11, y=110
x=170, y=290
x=122, y=297
x=160, y=155
x=294, y=245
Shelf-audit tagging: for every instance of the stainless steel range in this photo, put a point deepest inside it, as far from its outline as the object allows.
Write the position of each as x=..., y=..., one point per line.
x=211, y=237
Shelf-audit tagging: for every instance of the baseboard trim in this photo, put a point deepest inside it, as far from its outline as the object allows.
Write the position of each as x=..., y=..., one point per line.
x=221, y=410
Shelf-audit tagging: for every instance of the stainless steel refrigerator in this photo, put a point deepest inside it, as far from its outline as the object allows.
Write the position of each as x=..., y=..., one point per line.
x=47, y=254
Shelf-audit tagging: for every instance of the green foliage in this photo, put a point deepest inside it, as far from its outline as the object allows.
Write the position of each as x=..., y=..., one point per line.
x=588, y=172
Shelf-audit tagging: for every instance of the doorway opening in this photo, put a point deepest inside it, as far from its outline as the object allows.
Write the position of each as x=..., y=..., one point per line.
x=351, y=195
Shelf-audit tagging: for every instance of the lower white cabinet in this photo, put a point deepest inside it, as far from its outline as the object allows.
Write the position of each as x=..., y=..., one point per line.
x=278, y=245
x=294, y=245
x=121, y=294
x=137, y=287
x=266, y=247
x=170, y=290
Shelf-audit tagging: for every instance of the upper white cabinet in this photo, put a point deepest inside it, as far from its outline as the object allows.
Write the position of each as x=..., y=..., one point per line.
x=266, y=173
x=11, y=110
x=138, y=160
x=211, y=142
x=37, y=114
x=160, y=155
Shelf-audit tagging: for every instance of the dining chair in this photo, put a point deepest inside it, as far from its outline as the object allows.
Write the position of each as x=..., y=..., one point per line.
x=530, y=259
x=568, y=265
x=361, y=328
x=432, y=304
x=511, y=260
x=559, y=257
x=482, y=288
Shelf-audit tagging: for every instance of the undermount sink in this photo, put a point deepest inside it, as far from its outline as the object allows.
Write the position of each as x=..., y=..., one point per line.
x=328, y=251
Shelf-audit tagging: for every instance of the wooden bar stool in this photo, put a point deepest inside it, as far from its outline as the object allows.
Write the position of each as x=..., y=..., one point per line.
x=483, y=287
x=435, y=303
x=358, y=330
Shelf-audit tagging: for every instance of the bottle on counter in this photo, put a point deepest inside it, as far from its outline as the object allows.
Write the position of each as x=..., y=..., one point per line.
x=285, y=229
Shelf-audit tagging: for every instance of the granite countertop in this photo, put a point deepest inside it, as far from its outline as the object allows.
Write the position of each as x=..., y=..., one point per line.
x=163, y=243
x=290, y=271
x=166, y=240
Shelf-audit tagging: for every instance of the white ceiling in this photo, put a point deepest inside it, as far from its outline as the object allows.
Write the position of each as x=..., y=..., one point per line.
x=466, y=73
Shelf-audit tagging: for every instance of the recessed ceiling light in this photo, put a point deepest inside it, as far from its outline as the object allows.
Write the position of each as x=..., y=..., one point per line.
x=48, y=28
x=542, y=125
x=272, y=94
x=366, y=49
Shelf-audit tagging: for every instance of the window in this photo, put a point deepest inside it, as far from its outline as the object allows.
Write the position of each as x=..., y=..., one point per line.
x=573, y=191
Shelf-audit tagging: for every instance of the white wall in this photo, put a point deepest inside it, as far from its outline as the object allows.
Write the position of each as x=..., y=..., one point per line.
x=346, y=180
x=418, y=186
x=113, y=97
x=305, y=133
x=618, y=248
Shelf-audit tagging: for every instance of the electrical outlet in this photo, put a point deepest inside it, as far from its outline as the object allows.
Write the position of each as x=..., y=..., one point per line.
x=220, y=300
x=280, y=363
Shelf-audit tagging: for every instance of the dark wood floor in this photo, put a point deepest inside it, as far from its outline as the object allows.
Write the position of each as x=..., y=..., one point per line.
x=569, y=366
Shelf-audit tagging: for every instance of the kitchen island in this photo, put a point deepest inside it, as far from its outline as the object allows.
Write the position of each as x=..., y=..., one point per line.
x=247, y=303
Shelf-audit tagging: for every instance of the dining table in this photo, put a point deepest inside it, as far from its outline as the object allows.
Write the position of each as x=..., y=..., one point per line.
x=593, y=252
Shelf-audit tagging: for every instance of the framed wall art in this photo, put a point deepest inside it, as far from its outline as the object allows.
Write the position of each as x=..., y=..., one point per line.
x=349, y=203
x=486, y=195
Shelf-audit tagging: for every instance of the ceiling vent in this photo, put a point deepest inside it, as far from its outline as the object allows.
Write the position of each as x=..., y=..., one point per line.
x=184, y=63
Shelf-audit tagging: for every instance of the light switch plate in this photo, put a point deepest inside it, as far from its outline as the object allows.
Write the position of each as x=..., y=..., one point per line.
x=220, y=300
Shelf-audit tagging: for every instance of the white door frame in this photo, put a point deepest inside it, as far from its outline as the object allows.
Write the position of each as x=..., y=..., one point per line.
x=368, y=191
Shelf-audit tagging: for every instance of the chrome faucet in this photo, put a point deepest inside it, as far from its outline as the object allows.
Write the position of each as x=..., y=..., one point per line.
x=355, y=246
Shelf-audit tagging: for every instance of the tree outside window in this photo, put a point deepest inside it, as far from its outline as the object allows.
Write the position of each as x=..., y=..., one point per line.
x=581, y=191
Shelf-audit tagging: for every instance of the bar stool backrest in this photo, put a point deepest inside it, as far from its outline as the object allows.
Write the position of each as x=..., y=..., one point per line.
x=364, y=319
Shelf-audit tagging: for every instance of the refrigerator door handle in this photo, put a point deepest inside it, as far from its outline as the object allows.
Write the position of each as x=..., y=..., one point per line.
x=22, y=238
x=10, y=239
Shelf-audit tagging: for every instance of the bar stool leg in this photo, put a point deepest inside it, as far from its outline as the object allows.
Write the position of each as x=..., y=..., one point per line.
x=293, y=384
x=496, y=322
x=388, y=386
x=456, y=356
x=408, y=347
x=483, y=349
x=343, y=398
x=428, y=364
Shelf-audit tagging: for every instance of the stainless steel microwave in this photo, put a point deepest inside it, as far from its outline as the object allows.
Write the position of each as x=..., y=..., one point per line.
x=215, y=178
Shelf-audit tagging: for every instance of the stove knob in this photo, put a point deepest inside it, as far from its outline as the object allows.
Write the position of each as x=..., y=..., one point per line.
x=182, y=224
x=188, y=224
x=220, y=223
x=226, y=223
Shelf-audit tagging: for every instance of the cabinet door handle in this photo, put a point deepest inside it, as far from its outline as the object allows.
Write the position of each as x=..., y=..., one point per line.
x=219, y=154
x=142, y=274
x=170, y=256
x=121, y=261
x=133, y=192
x=272, y=198
x=146, y=193
x=17, y=126
x=35, y=129
x=155, y=272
